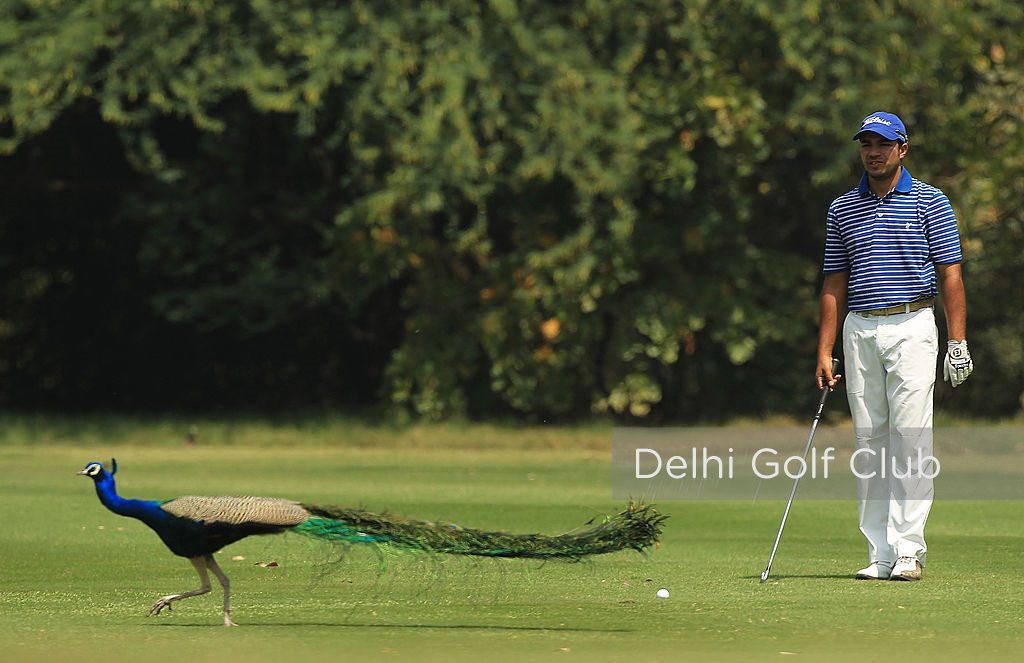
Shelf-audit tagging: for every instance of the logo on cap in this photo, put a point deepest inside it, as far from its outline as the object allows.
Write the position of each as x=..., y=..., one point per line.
x=874, y=119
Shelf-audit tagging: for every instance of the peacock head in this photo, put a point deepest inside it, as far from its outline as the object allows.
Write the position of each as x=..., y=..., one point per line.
x=95, y=470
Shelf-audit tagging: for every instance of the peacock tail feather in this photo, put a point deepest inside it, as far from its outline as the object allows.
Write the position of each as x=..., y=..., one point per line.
x=636, y=528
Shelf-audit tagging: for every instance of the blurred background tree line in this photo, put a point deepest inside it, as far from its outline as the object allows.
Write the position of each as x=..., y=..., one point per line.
x=482, y=209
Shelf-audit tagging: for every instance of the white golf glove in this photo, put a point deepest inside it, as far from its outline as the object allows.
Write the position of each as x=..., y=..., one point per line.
x=958, y=364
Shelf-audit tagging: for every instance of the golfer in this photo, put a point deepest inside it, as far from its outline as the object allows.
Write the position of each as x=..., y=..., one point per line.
x=891, y=246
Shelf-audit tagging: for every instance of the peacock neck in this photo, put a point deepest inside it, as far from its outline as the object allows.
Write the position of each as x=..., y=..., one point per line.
x=107, y=492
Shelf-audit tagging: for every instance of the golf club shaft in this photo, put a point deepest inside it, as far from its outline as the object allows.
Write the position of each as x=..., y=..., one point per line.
x=796, y=482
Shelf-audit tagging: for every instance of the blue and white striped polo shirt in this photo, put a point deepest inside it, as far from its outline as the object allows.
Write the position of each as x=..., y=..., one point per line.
x=890, y=245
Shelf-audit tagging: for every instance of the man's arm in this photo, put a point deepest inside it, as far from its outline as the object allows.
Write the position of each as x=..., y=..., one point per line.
x=958, y=365
x=833, y=305
x=954, y=300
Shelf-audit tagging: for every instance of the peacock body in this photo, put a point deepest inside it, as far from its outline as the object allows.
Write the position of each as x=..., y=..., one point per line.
x=197, y=527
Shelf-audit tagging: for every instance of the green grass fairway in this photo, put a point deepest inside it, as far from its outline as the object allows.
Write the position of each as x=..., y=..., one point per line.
x=76, y=581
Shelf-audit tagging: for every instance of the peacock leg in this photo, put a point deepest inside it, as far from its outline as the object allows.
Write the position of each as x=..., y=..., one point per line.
x=200, y=564
x=226, y=584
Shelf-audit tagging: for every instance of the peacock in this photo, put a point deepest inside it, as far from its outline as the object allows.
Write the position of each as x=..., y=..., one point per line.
x=197, y=527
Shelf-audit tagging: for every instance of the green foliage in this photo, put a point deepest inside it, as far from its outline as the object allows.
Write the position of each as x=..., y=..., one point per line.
x=532, y=207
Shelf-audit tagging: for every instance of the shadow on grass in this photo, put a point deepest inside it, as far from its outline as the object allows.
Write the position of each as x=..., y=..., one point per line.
x=467, y=627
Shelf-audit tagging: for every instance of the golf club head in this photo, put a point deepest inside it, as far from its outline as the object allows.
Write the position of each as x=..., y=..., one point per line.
x=764, y=575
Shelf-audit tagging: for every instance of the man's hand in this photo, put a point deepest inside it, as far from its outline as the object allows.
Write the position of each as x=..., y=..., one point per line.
x=824, y=373
x=958, y=364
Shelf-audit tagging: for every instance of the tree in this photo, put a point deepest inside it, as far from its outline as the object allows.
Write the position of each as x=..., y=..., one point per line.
x=492, y=208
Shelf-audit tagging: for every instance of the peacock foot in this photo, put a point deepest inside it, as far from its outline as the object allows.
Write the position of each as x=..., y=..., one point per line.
x=227, y=620
x=164, y=602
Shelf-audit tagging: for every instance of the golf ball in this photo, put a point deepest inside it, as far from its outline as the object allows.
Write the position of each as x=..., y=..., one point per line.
x=662, y=593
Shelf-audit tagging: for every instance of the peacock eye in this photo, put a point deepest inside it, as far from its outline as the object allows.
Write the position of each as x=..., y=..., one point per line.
x=93, y=470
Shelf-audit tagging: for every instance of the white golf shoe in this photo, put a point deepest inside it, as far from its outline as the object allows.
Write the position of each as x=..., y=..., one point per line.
x=907, y=568
x=876, y=570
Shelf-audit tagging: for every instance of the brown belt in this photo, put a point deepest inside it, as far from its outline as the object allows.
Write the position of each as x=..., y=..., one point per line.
x=909, y=307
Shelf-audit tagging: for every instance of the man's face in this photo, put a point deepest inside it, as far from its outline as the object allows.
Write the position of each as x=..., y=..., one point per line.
x=881, y=156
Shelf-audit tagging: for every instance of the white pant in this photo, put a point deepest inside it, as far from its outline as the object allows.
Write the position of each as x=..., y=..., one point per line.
x=890, y=378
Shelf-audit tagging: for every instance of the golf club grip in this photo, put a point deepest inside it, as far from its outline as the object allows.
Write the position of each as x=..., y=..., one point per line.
x=825, y=389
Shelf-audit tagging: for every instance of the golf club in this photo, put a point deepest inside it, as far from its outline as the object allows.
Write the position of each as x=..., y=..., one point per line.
x=785, y=514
